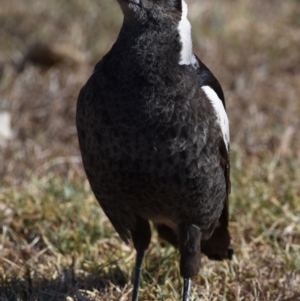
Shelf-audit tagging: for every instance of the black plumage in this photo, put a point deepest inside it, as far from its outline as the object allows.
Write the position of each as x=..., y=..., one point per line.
x=151, y=143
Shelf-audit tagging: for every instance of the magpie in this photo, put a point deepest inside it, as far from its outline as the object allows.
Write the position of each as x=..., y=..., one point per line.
x=154, y=138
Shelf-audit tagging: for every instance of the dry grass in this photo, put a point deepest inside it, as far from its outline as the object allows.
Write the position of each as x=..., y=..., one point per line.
x=55, y=242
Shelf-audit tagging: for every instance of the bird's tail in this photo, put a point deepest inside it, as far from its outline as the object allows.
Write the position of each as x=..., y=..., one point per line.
x=219, y=245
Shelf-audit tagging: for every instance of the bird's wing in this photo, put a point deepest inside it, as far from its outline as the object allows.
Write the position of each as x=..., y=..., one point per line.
x=206, y=78
x=218, y=246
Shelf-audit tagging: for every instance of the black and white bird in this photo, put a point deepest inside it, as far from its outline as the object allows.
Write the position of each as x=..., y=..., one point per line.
x=154, y=138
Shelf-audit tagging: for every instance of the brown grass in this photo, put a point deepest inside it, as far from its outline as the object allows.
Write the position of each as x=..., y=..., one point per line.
x=56, y=243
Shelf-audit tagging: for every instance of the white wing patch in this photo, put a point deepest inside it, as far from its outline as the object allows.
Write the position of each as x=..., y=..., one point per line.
x=184, y=27
x=220, y=112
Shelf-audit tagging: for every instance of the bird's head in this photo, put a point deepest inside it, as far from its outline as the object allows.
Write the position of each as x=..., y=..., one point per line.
x=159, y=22
x=153, y=11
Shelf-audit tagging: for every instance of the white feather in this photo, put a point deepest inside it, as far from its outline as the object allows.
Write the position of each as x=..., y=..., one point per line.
x=220, y=112
x=184, y=27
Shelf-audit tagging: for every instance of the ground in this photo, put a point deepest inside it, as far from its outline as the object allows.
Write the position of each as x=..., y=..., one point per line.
x=55, y=241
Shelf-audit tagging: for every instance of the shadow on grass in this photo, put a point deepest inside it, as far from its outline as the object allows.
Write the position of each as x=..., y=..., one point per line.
x=34, y=286
x=293, y=298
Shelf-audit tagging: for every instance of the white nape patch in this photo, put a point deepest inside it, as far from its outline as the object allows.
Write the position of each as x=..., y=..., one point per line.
x=220, y=111
x=184, y=27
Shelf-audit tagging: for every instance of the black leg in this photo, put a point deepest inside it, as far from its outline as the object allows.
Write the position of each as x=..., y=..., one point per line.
x=190, y=248
x=186, y=289
x=137, y=274
x=141, y=238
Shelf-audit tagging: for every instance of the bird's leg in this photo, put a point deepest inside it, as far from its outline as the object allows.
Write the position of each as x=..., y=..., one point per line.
x=137, y=274
x=187, y=284
x=190, y=248
x=141, y=236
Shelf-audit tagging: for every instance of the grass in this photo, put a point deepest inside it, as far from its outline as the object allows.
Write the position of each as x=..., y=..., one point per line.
x=55, y=241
